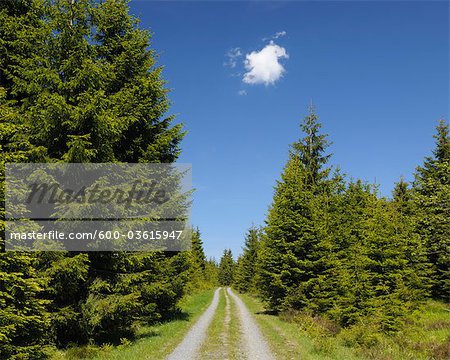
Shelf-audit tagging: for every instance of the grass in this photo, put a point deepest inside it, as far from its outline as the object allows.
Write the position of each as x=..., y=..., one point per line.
x=224, y=334
x=426, y=336
x=217, y=345
x=152, y=342
x=288, y=341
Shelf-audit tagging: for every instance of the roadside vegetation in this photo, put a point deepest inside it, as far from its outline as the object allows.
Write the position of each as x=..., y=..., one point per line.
x=159, y=339
x=296, y=335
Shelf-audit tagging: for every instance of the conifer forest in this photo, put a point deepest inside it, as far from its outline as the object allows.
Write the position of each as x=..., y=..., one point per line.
x=337, y=269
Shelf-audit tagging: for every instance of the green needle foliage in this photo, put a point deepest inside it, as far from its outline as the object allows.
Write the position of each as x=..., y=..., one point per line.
x=23, y=319
x=245, y=270
x=80, y=83
x=92, y=90
x=290, y=251
x=202, y=273
x=226, y=269
x=335, y=248
x=432, y=198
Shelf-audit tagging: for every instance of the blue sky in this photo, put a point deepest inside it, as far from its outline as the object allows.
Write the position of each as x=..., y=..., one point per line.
x=377, y=72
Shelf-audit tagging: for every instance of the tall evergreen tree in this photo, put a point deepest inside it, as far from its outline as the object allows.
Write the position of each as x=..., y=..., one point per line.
x=432, y=197
x=198, y=278
x=226, y=269
x=94, y=86
x=212, y=272
x=81, y=85
x=391, y=270
x=198, y=253
x=23, y=321
x=288, y=256
x=246, y=270
x=416, y=253
x=353, y=280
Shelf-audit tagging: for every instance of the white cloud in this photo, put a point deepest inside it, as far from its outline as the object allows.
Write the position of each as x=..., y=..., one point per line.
x=242, y=92
x=263, y=67
x=277, y=35
x=232, y=56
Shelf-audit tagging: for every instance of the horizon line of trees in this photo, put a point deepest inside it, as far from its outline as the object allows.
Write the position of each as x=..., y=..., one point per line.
x=334, y=247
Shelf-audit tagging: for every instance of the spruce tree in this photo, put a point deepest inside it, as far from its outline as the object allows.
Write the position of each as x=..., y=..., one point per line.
x=331, y=249
x=388, y=243
x=226, y=268
x=246, y=270
x=415, y=250
x=353, y=278
x=94, y=85
x=82, y=85
x=212, y=272
x=289, y=259
x=380, y=273
x=432, y=198
x=24, y=323
x=198, y=254
x=198, y=276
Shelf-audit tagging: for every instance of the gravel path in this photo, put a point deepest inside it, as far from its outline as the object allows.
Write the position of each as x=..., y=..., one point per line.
x=189, y=347
x=256, y=346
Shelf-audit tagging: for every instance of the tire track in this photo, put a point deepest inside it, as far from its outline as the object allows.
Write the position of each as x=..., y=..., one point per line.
x=255, y=345
x=188, y=349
